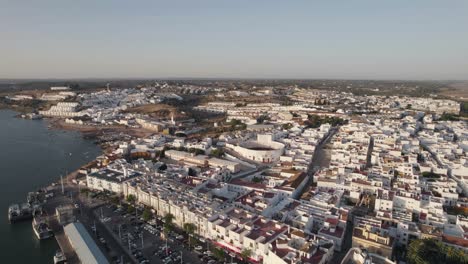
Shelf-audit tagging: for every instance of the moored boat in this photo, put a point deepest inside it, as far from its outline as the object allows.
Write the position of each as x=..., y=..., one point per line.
x=19, y=212
x=59, y=257
x=41, y=228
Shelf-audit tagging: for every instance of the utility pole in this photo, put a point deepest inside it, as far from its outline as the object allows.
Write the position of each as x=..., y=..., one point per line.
x=128, y=239
x=61, y=181
x=166, y=247
x=142, y=243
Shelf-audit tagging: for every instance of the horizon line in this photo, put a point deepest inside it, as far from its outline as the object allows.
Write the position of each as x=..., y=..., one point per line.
x=222, y=78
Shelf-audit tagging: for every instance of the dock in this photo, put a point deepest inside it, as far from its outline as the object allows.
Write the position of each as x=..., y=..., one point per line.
x=49, y=207
x=63, y=242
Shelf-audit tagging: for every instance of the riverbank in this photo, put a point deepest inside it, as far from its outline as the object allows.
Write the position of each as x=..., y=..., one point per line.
x=96, y=131
x=35, y=157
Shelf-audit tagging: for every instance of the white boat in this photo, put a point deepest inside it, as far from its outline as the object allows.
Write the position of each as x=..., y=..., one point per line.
x=41, y=228
x=59, y=257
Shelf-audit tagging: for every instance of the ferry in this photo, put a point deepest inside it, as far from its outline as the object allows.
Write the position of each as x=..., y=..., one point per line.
x=18, y=212
x=59, y=257
x=41, y=228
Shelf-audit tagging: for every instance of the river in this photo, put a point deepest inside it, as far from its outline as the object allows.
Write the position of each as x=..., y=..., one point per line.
x=32, y=156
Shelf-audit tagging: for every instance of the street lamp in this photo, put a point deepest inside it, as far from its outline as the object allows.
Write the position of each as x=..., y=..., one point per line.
x=142, y=242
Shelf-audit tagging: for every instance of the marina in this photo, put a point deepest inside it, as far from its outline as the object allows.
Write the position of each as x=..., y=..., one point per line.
x=31, y=164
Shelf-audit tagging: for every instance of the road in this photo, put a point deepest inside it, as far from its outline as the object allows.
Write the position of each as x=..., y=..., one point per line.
x=319, y=159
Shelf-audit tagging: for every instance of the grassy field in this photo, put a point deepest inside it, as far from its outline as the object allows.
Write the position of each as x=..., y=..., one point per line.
x=457, y=91
x=156, y=110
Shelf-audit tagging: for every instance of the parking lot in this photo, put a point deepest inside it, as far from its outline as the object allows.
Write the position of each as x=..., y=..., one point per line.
x=142, y=239
x=125, y=237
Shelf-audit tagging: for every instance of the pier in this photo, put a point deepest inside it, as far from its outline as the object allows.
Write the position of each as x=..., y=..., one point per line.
x=63, y=242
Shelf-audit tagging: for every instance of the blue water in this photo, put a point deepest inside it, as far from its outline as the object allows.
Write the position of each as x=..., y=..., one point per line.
x=32, y=156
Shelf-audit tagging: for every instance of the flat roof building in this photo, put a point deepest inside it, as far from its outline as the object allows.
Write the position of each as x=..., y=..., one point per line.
x=85, y=247
x=110, y=180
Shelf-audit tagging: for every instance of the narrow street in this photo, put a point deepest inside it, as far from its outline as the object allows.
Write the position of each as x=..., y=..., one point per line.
x=320, y=159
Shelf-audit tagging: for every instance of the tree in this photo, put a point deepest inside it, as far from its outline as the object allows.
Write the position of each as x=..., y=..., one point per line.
x=196, y=151
x=217, y=153
x=189, y=228
x=287, y=126
x=246, y=253
x=130, y=209
x=449, y=117
x=430, y=174
x=219, y=254
x=147, y=214
x=115, y=199
x=257, y=179
x=261, y=119
x=192, y=172
x=131, y=198
x=168, y=225
x=457, y=210
x=431, y=251
x=159, y=154
x=163, y=167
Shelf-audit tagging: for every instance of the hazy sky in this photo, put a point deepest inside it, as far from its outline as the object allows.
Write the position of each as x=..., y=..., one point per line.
x=402, y=39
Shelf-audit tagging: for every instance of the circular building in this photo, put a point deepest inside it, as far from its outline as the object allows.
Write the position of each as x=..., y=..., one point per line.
x=264, y=149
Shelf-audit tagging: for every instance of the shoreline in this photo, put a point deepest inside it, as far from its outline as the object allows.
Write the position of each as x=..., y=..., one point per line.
x=59, y=123
x=38, y=174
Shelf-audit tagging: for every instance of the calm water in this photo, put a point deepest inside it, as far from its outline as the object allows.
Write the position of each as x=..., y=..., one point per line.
x=31, y=156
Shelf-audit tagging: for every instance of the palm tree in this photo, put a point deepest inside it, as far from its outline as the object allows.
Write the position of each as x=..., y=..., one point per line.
x=219, y=254
x=246, y=253
x=147, y=214
x=168, y=218
x=131, y=198
x=189, y=228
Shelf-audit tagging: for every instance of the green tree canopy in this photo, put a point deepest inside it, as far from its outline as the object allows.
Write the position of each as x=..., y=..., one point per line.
x=189, y=228
x=246, y=253
x=217, y=153
x=131, y=198
x=168, y=225
x=219, y=254
x=431, y=251
x=147, y=214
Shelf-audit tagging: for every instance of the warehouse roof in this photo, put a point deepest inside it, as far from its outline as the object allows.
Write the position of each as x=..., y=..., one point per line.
x=84, y=246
